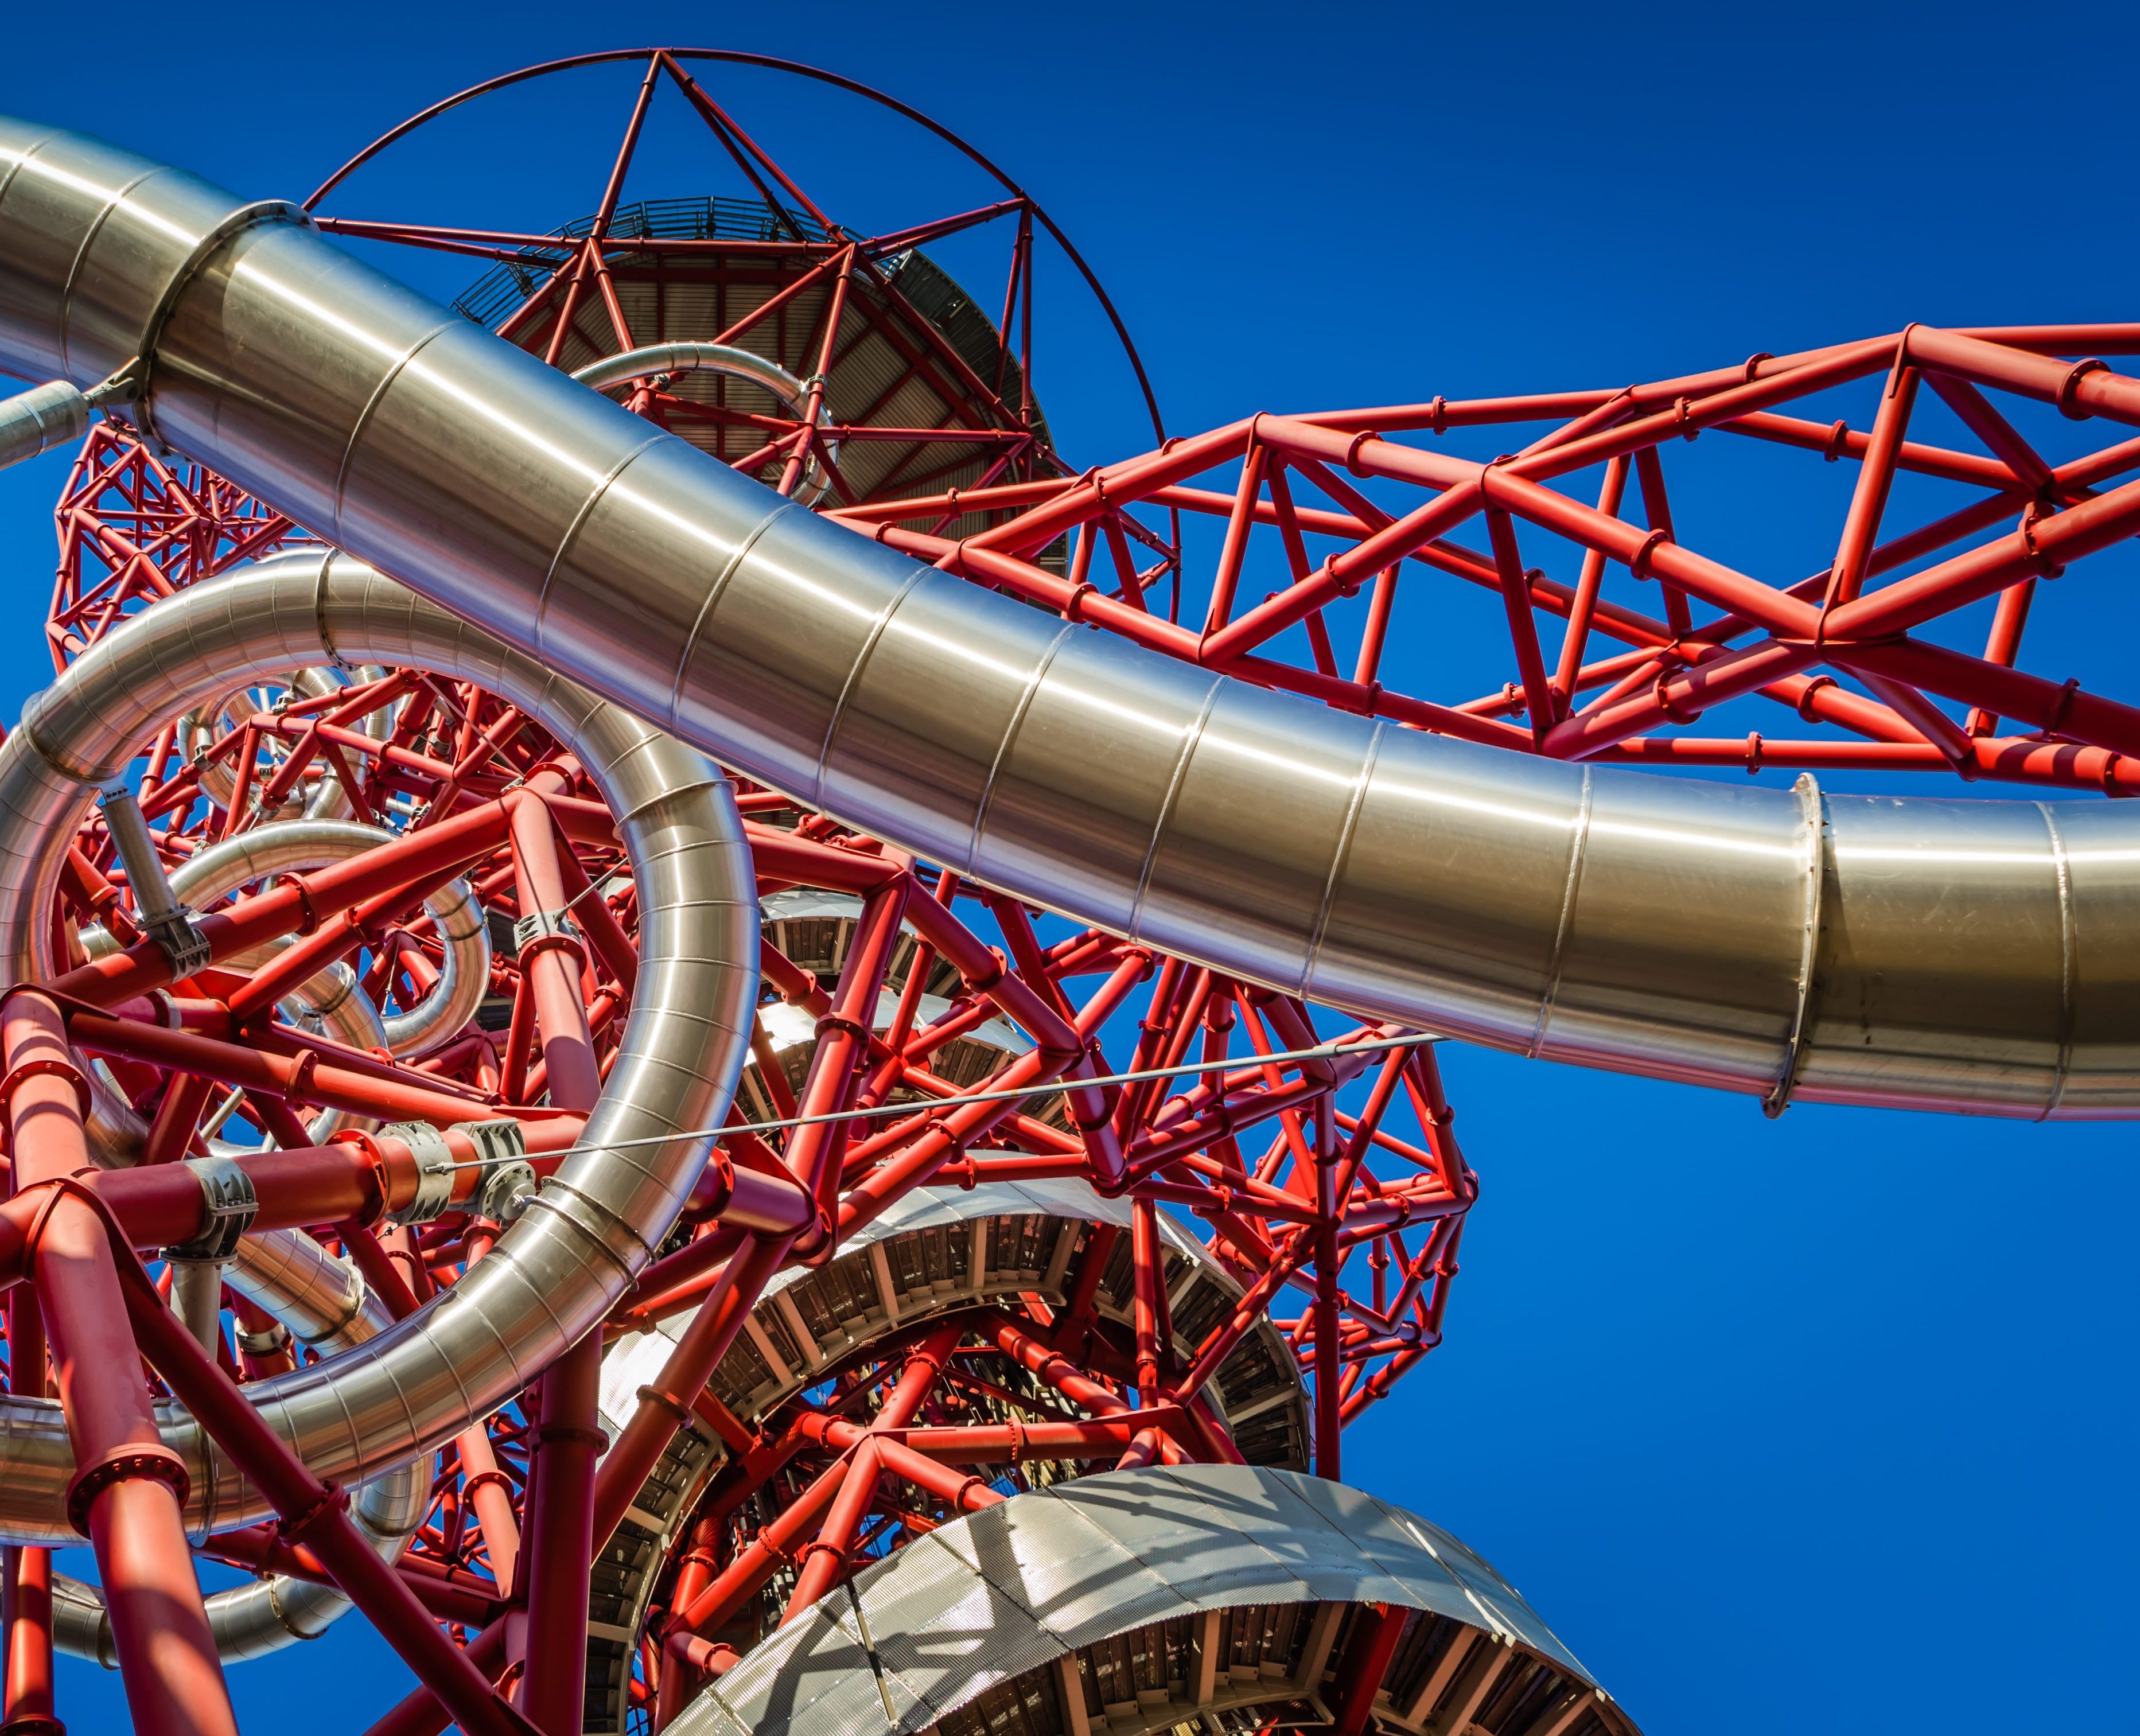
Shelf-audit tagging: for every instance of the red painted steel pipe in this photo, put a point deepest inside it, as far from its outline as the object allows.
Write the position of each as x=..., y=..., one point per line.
x=568, y=1436
x=129, y=1484
x=568, y=1440
x=316, y=1515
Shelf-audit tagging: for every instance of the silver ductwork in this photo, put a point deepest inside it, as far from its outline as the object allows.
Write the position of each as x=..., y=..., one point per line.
x=561, y=1266
x=1981, y=956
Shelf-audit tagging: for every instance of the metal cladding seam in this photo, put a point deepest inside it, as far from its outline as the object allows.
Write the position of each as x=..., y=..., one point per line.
x=1981, y=956
x=558, y=1270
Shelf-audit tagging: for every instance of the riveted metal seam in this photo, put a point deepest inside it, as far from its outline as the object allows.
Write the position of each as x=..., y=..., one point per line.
x=579, y=521
x=81, y=253
x=714, y=592
x=364, y=416
x=855, y=672
x=1189, y=739
x=1813, y=807
x=2068, y=1011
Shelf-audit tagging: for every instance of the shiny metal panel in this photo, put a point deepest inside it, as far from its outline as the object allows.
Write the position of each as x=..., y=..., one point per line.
x=1082, y=783
x=2100, y=1075
x=1684, y=934
x=452, y=412
x=1242, y=862
x=1943, y=956
x=271, y=299
x=127, y=263
x=770, y=661
x=643, y=555
x=1005, y=1591
x=55, y=187
x=1453, y=888
x=926, y=711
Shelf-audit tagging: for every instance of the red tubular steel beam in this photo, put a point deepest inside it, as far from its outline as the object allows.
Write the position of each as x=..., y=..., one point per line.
x=666, y=1402
x=26, y=1609
x=1876, y=476
x=128, y=1488
x=568, y=1439
x=1366, y=1663
x=314, y=1515
x=2041, y=546
x=26, y=1620
x=327, y=896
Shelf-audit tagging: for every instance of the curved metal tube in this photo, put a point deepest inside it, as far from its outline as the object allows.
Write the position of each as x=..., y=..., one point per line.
x=1976, y=956
x=561, y=1266
x=687, y=358
x=684, y=358
x=291, y=846
x=327, y=799
x=324, y=1304
x=329, y=1001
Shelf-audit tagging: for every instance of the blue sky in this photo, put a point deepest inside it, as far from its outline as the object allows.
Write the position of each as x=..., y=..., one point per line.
x=1822, y=1420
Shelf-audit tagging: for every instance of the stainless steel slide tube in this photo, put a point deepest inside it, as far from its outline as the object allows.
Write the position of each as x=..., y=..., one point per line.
x=1976, y=956
x=287, y=846
x=562, y=1264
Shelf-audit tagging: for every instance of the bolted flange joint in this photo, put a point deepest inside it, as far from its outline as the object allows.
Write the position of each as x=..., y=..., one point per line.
x=122, y=1464
x=507, y=1181
x=435, y=1171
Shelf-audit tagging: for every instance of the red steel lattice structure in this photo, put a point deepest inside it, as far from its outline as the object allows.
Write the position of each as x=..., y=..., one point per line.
x=1634, y=669
x=1290, y=1184
x=475, y=928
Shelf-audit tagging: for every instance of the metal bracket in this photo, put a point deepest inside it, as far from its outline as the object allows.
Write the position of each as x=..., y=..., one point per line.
x=538, y=925
x=228, y=1206
x=166, y=921
x=434, y=1169
x=509, y=1179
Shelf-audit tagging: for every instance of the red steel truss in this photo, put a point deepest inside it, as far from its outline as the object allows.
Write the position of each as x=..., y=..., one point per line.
x=927, y=1033
x=1902, y=654
x=1273, y=1197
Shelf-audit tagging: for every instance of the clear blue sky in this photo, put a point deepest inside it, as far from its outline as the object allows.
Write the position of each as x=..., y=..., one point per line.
x=1825, y=1422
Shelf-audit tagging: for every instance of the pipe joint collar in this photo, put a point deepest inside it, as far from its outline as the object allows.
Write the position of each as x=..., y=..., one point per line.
x=228, y=1206
x=508, y=1180
x=435, y=1171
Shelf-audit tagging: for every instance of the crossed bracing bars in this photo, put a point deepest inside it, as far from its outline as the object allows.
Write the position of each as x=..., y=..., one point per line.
x=486, y=798
x=1765, y=640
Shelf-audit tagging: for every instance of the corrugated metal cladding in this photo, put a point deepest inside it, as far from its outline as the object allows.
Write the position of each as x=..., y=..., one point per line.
x=873, y=382
x=1139, y=1600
